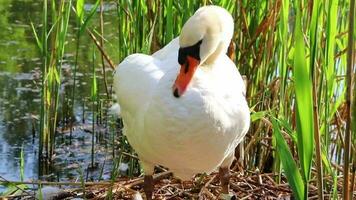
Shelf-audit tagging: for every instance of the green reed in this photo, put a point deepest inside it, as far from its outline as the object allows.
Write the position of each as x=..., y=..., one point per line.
x=52, y=44
x=94, y=96
x=22, y=164
x=52, y=47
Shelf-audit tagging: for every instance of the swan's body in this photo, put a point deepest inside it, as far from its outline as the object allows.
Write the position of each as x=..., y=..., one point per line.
x=196, y=132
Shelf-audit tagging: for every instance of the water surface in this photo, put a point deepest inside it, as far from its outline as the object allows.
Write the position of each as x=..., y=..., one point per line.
x=20, y=75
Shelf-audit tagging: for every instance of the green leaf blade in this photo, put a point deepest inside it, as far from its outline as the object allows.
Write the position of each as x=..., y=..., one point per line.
x=80, y=10
x=90, y=15
x=290, y=167
x=304, y=100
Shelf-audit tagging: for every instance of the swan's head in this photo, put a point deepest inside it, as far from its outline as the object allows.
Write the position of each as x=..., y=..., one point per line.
x=204, y=37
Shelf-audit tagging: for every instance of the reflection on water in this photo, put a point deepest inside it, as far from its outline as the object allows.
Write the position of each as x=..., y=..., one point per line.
x=20, y=90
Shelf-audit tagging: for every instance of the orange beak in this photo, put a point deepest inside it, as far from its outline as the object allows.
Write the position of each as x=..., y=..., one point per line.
x=185, y=76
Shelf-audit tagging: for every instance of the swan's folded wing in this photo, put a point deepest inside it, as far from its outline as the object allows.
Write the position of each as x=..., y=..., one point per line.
x=137, y=76
x=135, y=79
x=169, y=51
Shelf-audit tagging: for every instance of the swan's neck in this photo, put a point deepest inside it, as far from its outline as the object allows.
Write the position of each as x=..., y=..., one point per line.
x=220, y=50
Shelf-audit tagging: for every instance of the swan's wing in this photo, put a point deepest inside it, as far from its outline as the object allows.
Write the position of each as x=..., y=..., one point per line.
x=134, y=81
x=136, y=77
x=171, y=49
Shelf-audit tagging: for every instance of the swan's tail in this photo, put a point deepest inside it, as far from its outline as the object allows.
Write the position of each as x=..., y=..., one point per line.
x=115, y=110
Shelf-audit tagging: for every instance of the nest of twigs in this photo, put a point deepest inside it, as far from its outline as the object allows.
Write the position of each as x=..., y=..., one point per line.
x=243, y=185
x=247, y=185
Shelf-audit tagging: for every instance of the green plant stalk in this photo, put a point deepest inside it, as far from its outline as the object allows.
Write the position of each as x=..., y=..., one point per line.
x=169, y=21
x=57, y=20
x=317, y=145
x=313, y=59
x=283, y=37
x=58, y=33
x=43, y=112
x=52, y=35
x=53, y=77
x=93, y=135
x=40, y=195
x=290, y=167
x=62, y=40
x=113, y=176
x=102, y=46
x=119, y=11
x=94, y=99
x=350, y=71
x=51, y=73
x=22, y=164
x=304, y=102
x=330, y=63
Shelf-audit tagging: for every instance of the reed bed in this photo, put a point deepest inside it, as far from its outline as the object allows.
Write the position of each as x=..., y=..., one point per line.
x=299, y=60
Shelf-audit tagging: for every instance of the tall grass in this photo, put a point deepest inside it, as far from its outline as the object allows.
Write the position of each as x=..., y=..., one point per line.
x=52, y=47
x=51, y=44
x=294, y=56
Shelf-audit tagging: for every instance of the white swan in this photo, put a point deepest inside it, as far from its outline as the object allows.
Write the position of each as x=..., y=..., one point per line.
x=184, y=107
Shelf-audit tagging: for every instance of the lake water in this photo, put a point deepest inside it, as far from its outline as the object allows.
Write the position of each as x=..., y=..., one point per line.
x=20, y=76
